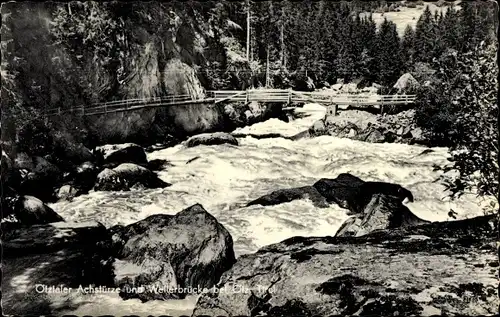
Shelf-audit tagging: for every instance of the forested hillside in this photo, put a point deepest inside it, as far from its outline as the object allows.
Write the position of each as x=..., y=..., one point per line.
x=78, y=53
x=64, y=54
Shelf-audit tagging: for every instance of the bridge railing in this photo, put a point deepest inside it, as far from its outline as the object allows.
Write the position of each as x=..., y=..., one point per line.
x=121, y=105
x=261, y=95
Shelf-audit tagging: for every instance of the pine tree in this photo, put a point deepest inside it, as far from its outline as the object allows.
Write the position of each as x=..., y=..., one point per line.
x=425, y=37
x=451, y=29
x=390, y=61
x=408, y=47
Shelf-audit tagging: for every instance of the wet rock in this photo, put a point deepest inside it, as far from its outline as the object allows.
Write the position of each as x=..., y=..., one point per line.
x=417, y=135
x=318, y=127
x=127, y=175
x=342, y=190
x=57, y=255
x=352, y=193
x=390, y=137
x=423, y=270
x=67, y=192
x=382, y=212
x=352, y=133
x=109, y=180
x=190, y=249
x=211, y=139
x=42, y=180
x=286, y=195
x=372, y=135
x=116, y=154
x=235, y=115
x=158, y=164
x=29, y=210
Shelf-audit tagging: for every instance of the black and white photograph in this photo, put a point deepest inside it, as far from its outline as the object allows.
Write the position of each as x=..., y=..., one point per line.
x=250, y=158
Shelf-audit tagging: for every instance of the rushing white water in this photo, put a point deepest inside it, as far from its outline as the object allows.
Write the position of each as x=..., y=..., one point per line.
x=224, y=178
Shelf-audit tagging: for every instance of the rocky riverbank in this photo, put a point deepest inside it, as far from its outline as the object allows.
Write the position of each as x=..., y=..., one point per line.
x=433, y=269
x=384, y=260
x=369, y=127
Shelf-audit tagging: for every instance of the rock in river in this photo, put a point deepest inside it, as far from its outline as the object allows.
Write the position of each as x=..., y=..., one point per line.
x=289, y=194
x=190, y=249
x=211, y=139
x=126, y=176
x=116, y=154
x=351, y=192
x=29, y=210
x=382, y=212
x=434, y=269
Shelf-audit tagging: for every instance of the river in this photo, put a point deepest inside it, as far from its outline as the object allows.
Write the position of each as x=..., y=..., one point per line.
x=224, y=178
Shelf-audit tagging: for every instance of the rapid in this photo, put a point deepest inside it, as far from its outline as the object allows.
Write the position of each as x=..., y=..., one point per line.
x=224, y=178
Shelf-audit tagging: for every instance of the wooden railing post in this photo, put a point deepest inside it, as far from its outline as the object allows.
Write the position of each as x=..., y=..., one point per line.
x=246, y=97
x=59, y=110
x=83, y=110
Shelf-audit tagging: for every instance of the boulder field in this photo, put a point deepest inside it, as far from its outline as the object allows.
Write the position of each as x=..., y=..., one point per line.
x=30, y=182
x=383, y=261
x=364, y=126
x=188, y=250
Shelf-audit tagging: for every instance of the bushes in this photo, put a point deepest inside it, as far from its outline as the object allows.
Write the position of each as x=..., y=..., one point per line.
x=34, y=137
x=459, y=109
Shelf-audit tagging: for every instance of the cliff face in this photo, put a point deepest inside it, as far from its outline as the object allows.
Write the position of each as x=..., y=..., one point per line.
x=65, y=55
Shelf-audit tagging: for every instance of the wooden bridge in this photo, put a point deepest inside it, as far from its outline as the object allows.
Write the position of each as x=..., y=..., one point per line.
x=246, y=96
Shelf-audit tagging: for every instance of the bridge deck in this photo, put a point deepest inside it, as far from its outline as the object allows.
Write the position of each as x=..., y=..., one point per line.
x=259, y=95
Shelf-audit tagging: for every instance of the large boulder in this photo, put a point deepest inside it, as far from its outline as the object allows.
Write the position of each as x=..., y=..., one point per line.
x=352, y=193
x=127, y=175
x=435, y=269
x=67, y=192
x=382, y=212
x=188, y=250
x=116, y=154
x=158, y=164
x=372, y=135
x=318, y=128
x=342, y=190
x=42, y=180
x=289, y=194
x=29, y=210
x=211, y=139
x=42, y=262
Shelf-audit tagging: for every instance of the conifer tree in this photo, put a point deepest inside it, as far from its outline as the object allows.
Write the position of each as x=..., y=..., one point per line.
x=425, y=34
x=390, y=62
x=408, y=47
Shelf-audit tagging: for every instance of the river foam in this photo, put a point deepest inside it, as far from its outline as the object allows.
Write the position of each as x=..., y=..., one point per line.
x=223, y=178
